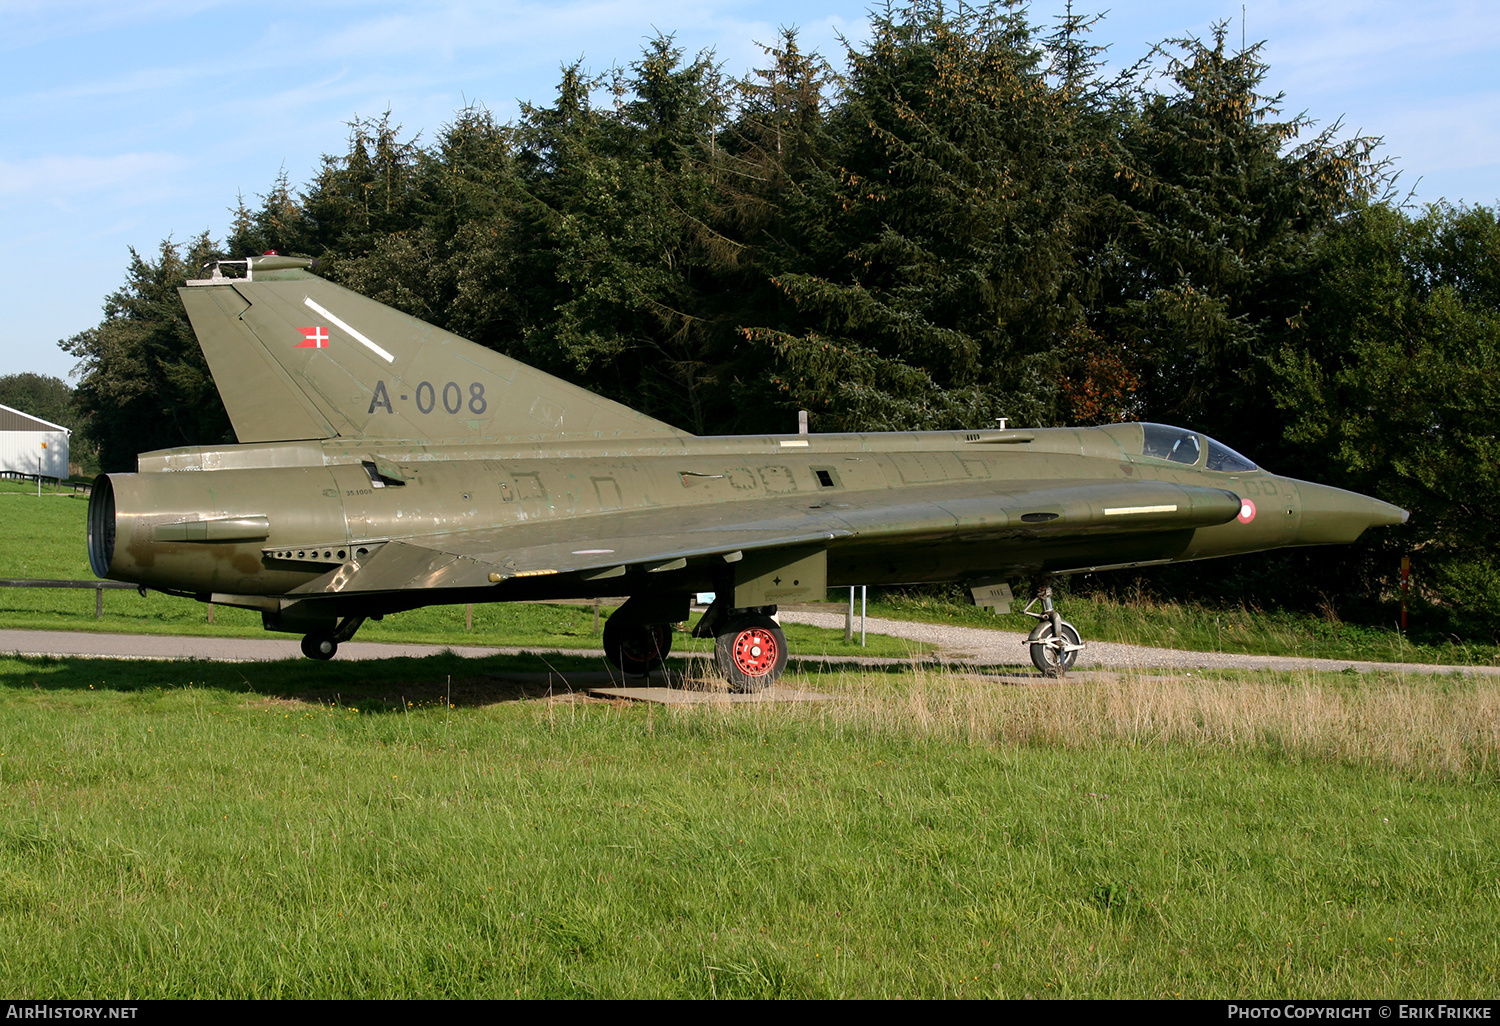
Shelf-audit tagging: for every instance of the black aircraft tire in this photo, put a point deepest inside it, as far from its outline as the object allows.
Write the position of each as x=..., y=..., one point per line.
x=1044, y=652
x=639, y=649
x=319, y=646
x=750, y=652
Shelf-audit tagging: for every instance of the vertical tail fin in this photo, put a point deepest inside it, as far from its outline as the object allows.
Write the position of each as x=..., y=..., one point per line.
x=295, y=356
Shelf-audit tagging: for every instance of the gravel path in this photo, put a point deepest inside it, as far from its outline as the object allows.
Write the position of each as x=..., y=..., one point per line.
x=995, y=647
x=961, y=645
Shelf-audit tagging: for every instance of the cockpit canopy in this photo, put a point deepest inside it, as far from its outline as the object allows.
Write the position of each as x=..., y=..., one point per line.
x=1170, y=443
x=1178, y=445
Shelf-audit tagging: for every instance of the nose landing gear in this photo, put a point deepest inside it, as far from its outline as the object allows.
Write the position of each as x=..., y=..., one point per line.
x=1054, y=643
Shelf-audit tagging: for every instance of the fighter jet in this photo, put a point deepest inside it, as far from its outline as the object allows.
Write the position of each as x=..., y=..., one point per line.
x=385, y=464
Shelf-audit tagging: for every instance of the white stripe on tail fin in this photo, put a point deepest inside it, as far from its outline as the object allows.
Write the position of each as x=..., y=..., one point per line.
x=295, y=356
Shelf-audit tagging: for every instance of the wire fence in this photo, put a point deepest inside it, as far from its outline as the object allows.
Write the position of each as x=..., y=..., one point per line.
x=59, y=483
x=100, y=587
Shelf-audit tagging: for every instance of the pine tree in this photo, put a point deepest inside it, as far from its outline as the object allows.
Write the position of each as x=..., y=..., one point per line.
x=940, y=281
x=1215, y=237
x=143, y=381
x=1400, y=397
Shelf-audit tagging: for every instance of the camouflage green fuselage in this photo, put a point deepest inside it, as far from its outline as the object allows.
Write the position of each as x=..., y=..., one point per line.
x=951, y=506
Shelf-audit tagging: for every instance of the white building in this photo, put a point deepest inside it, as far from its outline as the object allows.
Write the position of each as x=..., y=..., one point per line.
x=30, y=445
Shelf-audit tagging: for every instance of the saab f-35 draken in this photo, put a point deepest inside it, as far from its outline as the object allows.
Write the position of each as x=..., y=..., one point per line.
x=385, y=464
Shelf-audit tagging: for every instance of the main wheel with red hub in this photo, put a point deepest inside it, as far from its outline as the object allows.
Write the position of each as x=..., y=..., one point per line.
x=751, y=652
x=638, y=649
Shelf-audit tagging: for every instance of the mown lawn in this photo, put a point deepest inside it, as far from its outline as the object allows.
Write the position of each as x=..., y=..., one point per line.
x=429, y=828
x=455, y=828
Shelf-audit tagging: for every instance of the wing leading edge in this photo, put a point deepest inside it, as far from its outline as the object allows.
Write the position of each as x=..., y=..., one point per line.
x=660, y=540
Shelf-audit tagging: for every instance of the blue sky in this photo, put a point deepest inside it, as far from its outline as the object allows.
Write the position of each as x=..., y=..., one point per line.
x=128, y=121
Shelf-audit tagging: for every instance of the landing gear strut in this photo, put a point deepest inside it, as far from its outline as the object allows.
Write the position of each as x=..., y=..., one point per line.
x=1054, y=642
x=325, y=644
x=637, y=649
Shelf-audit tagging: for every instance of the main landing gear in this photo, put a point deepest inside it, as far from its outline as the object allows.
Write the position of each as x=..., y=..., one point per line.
x=750, y=649
x=749, y=646
x=325, y=644
x=1054, y=642
x=636, y=649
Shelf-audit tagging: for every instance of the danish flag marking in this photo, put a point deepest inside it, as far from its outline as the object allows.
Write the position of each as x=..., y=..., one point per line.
x=313, y=338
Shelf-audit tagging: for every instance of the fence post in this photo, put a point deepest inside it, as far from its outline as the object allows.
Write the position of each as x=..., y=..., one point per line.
x=469, y=617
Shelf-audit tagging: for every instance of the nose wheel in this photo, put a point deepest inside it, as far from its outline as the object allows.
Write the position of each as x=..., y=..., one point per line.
x=1054, y=649
x=1054, y=643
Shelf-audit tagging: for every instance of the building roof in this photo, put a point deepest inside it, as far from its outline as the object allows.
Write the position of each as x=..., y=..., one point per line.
x=15, y=420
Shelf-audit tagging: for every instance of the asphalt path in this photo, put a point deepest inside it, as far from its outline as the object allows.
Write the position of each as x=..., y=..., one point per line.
x=961, y=646
x=981, y=646
x=227, y=650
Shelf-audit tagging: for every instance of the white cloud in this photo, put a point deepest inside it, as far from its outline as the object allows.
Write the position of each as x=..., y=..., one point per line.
x=1446, y=136
x=51, y=178
x=32, y=22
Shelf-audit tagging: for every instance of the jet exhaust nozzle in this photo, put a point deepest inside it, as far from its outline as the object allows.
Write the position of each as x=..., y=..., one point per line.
x=101, y=526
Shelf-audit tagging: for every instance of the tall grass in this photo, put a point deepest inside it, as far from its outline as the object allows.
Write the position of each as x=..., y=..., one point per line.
x=1420, y=726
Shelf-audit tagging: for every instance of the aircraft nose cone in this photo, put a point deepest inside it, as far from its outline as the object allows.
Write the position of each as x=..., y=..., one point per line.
x=1332, y=516
x=1389, y=515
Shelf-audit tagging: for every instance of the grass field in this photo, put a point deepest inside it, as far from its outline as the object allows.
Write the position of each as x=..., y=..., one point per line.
x=425, y=828
x=450, y=828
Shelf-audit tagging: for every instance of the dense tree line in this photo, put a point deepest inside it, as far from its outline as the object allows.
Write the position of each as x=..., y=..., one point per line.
x=40, y=395
x=972, y=221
